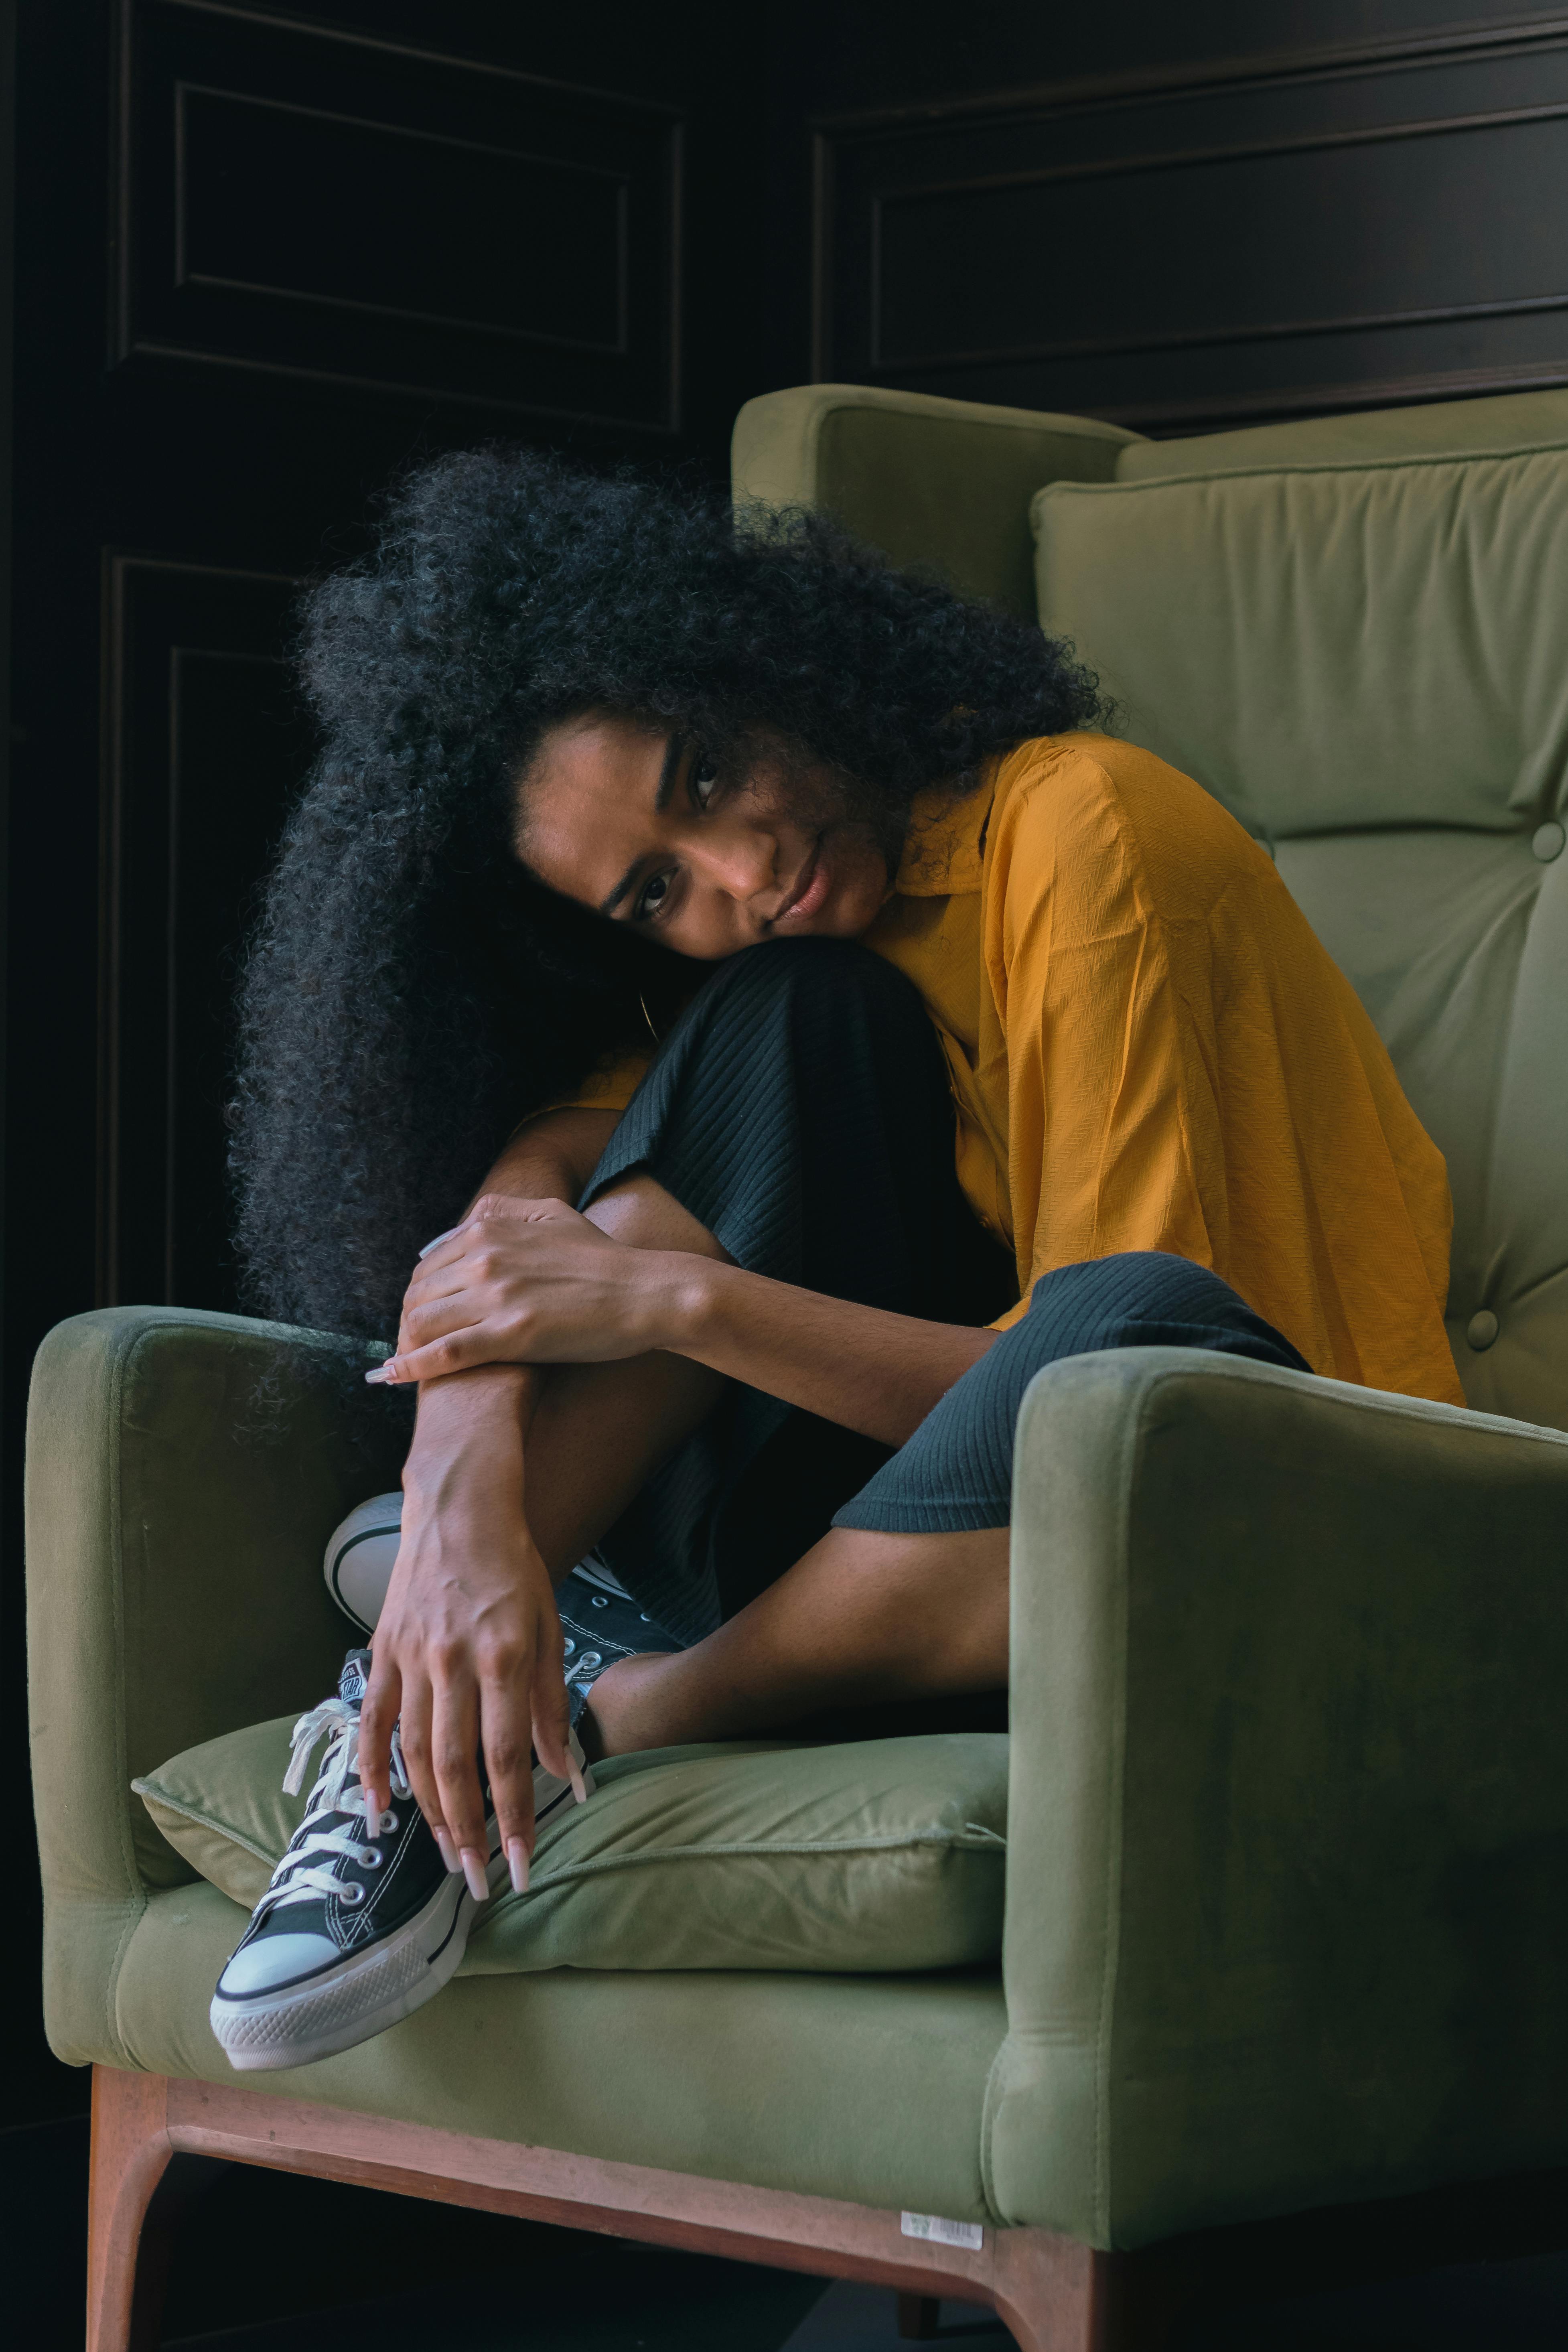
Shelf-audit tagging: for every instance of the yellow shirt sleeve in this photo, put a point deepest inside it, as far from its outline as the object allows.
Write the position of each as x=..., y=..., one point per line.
x=609, y=1088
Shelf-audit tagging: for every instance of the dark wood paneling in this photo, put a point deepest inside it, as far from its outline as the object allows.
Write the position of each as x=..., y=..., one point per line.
x=325, y=205
x=1385, y=223
x=204, y=746
x=319, y=208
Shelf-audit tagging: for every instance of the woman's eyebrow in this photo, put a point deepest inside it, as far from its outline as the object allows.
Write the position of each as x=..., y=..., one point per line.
x=667, y=776
x=673, y=751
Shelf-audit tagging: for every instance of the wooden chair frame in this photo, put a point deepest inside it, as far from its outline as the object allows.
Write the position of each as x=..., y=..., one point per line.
x=155, y=2140
x=1044, y=2286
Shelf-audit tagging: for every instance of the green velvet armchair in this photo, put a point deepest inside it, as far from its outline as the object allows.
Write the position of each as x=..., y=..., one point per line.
x=1288, y=1827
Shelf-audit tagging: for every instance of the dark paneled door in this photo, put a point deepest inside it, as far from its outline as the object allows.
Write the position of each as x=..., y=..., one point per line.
x=265, y=262
x=204, y=743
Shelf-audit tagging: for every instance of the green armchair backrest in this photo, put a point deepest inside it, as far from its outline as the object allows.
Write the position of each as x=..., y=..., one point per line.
x=1354, y=632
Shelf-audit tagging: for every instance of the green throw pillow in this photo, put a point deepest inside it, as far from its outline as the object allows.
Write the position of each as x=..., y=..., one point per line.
x=878, y=1855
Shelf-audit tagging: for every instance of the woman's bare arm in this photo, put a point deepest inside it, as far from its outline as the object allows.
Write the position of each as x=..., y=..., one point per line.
x=549, y=1159
x=531, y=1283
x=859, y=1366
x=467, y=1646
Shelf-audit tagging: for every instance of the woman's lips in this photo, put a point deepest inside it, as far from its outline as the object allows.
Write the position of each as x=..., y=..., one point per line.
x=812, y=887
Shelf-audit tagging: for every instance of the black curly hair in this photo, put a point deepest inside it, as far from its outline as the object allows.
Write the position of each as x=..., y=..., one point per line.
x=411, y=993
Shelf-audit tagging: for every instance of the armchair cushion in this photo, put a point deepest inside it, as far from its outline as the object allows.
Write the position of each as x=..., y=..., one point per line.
x=874, y=1856
x=1510, y=420
x=870, y=2087
x=1332, y=646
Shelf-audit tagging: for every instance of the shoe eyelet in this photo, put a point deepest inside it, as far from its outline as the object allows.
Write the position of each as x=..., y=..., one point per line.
x=351, y=1893
x=600, y=1601
x=588, y=1661
x=371, y=1858
x=388, y=1823
x=570, y=1645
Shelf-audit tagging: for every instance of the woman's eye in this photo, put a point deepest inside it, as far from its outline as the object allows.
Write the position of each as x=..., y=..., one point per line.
x=651, y=898
x=704, y=779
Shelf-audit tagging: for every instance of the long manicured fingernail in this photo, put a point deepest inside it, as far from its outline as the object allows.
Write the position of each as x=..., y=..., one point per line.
x=379, y=1373
x=574, y=1774
x=439, y=1240
x=517, y=1863
x=448, y=1852
x=474, y=1872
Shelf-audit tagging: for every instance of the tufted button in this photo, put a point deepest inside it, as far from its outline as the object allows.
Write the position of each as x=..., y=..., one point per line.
x=1547, y=841
x=1482, y=1329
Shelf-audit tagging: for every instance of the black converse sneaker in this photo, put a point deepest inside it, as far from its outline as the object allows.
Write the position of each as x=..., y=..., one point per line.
x=362, y=1921
x=600, y=1623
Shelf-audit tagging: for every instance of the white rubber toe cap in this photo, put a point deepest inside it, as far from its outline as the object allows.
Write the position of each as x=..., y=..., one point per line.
x=274, y=1960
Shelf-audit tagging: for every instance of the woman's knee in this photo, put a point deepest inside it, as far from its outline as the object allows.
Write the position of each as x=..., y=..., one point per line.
x=1151, y=1284
x=813, y=977
x=1149, y=1298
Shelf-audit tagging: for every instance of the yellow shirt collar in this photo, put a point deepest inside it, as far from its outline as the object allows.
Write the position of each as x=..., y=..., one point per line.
x=943, y=849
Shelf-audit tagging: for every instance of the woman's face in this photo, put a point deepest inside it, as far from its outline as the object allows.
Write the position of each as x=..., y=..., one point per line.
x=644, y=829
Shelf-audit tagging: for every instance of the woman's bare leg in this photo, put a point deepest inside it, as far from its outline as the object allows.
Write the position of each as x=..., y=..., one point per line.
x=863, y=1617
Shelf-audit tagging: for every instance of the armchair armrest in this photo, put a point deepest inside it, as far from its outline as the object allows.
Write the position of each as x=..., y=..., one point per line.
x=927, y=480
x=1288, y=1880
x=183, y=1472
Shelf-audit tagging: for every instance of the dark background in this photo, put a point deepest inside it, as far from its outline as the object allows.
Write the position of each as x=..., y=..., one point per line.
x=265, y=258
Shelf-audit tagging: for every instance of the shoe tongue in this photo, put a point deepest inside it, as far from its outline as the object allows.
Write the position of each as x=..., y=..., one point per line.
x=354, y=1679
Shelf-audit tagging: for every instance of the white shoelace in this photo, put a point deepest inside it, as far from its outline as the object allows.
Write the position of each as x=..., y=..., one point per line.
x=311, y=1866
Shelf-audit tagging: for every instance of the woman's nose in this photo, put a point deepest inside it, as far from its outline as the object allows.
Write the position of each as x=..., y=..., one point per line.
x=740, y=861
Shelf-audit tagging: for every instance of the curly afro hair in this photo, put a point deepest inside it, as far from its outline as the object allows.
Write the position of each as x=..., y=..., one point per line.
x=411, y=993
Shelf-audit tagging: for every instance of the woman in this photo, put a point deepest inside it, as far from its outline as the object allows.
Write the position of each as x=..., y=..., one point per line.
x=869, y=1032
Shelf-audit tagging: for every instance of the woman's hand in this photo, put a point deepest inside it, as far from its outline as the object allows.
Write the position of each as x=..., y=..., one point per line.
x=530, y=1282
x=468, y=1648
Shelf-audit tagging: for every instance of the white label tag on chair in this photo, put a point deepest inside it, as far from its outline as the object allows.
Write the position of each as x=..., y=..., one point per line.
x=945, y=2234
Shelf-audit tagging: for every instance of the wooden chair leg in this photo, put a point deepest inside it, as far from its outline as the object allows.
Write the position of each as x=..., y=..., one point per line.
x=1052, y=2293
x=131, y=2152
x=138, y=2188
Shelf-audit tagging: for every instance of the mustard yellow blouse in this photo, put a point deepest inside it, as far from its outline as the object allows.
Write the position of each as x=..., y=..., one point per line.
x=1149, y=1049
